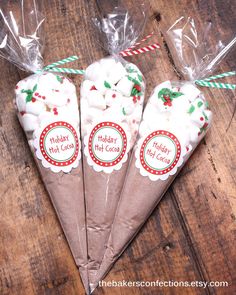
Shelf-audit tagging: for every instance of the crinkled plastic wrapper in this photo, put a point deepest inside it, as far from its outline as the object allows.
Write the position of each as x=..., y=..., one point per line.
x=47, y=109
x=175, y=119
x=112, y=97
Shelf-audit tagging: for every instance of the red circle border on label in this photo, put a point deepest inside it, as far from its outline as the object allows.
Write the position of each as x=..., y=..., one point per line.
x=120, y=130
x=43, y=135
x=150, y=136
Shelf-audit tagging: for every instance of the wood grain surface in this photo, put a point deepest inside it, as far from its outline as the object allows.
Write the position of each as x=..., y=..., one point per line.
x=191, y=236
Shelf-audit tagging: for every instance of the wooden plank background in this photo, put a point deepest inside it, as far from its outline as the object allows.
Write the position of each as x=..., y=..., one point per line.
x=190, y=236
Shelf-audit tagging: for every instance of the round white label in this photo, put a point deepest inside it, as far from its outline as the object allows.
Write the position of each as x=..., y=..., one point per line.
x=158, y=155
x=107, y=144
x=57, y=145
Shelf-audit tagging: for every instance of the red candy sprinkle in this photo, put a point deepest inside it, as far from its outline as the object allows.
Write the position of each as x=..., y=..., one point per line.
x=205, y=125
x=137, y=87
x=43, y=97
x=36, y=94
x=93, y=88
x=114, y=95
x=201, y=118
x=55, y=111
x=134, y=99
x=33, y=99
x=17, y=86
x=68, y=100
x=22, y=113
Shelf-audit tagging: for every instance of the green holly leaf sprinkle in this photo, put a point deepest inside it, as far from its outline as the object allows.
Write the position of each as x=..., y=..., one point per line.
x=130, y=70
x=207, y=104
x=26, y=91
x=191, y=109
x=123, y=111
x=140, y=78
x=29, y=97
x=35, y=87
x=29, y=94
x=134, y=92
x=205, y=116
x=199, y=104
x=134, y=80
x=175, y=94
x=164, y=91
x=107, y=85
x=59, y=79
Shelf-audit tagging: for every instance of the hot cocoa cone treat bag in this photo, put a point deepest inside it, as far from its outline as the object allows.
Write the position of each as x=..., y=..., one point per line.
x=176, y=118
x=112, y=96
x=47, y=109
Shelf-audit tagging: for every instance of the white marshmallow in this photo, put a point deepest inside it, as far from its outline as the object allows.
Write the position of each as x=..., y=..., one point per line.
x=199, y=103
x=21, y=102
x=56, y=98
x=48, y=81
x=150, y=112
x=114, y=112
x=194, y=134
x=73, y=100
x=137, y=113
x=125, y=86
x=180, y=104
x=29, y=122
x=92, y=115
x=35, y=108
x=112, y=97
x=116, y=73
x=96, y=100
x=85, y=88
x=45, y=116
x=208, y=113
x=128, y=108
x=68, y=86
x=93, y=71
x=190, y=91
x=107, y=64
x=102, y=85
x=197, y=118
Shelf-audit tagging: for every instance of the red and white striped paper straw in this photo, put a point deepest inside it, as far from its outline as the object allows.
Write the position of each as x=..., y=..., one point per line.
x=141, y=41
x=140, y=50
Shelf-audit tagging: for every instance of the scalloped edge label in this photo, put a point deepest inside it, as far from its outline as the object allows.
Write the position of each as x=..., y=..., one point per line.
x=107, y=146
x=58, y=146
x=159, y=155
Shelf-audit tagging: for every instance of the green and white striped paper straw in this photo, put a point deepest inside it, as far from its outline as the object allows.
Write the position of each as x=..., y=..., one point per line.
x=54, y=67
x=62, y=62
x=66, y=70
x=209, y=83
